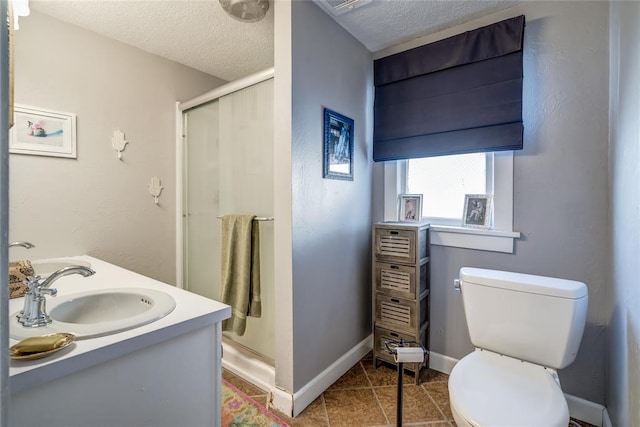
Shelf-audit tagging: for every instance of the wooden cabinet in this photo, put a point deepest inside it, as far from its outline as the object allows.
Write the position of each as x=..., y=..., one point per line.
x=401, y=290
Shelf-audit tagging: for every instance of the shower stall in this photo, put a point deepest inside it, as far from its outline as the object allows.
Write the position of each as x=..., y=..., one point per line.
x=225, y=166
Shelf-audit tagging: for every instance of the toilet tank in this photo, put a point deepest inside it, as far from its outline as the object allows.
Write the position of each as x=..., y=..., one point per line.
x=533, y=318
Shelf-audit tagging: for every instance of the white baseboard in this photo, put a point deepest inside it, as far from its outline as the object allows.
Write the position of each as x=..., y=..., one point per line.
x=282, y=400
x=314, y=388
x=249, y=368
x=585, y=410
x=293, y=405
x=441, y=363
x=606, y=421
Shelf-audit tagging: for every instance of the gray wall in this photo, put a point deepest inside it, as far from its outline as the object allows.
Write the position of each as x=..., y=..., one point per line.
x=331, y=218
x=623, y=373
x=560, y=183
x=98, y=204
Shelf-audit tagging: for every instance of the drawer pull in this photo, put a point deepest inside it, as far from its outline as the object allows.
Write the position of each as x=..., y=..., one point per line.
x=397, y=301
x=395, y=335
x=393, y=232
x=394, y=267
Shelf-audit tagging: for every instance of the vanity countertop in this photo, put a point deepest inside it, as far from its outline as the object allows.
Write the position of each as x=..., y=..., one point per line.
x=192, y=312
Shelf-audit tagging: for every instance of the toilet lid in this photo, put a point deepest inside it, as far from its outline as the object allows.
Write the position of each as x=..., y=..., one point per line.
x=487, y=389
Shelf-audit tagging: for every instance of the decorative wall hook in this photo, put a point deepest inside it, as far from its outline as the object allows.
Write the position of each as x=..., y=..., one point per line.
x=118, y=142
x=155, y=188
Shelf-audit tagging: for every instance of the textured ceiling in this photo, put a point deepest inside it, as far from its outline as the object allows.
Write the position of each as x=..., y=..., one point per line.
x=199, y=34
x=384, y=23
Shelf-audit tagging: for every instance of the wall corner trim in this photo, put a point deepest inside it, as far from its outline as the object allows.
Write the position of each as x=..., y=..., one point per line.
x=282, y=400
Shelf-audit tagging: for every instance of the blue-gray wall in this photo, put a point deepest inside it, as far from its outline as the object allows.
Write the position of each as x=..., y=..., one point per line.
x=623, y=367
x=560, y=183
x=331, y=218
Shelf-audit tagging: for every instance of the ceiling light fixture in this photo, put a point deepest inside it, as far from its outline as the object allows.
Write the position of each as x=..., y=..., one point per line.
x=246, y=10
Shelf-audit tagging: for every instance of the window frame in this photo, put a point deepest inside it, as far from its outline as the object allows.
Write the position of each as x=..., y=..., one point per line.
x=499, y=238
x=453, y=222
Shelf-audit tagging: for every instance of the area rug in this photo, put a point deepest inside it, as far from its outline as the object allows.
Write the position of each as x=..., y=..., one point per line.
x=239, y=410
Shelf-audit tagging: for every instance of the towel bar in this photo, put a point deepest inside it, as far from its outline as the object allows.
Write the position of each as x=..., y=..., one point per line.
x=258, y=218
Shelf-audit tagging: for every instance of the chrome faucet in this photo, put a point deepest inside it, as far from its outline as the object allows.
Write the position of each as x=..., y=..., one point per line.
x=25, y=245
x=34, y=314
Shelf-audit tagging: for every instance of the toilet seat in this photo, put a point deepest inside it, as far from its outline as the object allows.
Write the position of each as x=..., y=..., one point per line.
x=487, y=389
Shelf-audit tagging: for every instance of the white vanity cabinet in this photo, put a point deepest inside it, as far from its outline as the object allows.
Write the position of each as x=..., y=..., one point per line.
x=166, y=373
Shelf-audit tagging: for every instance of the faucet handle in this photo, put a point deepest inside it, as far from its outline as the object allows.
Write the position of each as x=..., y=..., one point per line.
x=32, y=282
x=35, y=287
x=48, y=291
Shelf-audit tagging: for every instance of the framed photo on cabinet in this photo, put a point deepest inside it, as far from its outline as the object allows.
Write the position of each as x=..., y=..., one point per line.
x=410, y=207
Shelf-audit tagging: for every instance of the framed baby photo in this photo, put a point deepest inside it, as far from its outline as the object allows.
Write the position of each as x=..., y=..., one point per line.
x=410, y=207
x=477, y=210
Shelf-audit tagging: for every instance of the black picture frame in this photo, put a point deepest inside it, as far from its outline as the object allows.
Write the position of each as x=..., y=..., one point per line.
x=338, y=146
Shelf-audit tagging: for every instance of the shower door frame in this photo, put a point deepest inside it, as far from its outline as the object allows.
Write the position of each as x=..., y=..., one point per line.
x=181, y=108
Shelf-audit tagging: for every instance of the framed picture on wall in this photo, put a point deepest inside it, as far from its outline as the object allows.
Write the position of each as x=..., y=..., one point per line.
x=43, y=132
x=477, y=210
x=410, y=207
x=338, y=146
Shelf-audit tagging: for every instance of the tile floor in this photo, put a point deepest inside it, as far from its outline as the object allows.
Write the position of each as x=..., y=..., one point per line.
x=366, y=396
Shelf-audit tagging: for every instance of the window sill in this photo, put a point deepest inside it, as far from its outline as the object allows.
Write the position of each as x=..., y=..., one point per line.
x=473, y=238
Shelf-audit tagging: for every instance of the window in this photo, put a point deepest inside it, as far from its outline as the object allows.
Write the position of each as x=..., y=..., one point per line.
x=443, y=182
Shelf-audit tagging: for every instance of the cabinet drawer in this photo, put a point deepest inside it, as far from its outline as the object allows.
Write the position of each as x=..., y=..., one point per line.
x=396, y=280
x=401, y=280
x=395, y=245
x=401, y=314
x=381, y=335
x=397, y=312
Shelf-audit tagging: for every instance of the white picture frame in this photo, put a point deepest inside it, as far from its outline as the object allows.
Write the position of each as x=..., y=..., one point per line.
x=410, y=207
x=42, y=132
x=477, y=210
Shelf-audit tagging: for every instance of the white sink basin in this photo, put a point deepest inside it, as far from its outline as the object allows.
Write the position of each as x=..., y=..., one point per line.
x=96, y=313
x=45, y=268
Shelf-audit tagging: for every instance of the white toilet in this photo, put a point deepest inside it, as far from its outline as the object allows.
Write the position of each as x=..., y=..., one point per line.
x=524, y=327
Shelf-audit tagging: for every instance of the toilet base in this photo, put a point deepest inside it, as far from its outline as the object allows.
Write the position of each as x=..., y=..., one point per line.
x=460, y=421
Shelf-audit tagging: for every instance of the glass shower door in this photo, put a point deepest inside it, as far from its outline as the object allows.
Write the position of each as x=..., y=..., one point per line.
x=201, y=201
x=229, y=170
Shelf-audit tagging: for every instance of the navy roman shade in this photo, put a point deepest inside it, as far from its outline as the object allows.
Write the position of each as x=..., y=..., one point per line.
x=459, y=95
